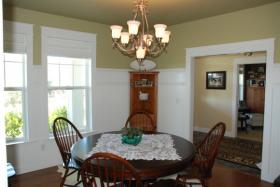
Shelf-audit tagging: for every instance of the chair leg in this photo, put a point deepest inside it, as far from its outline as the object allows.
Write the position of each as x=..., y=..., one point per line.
x=78, y=176
x=64, y=177
x=246, y=126
x=204, y=182
x=183, y=181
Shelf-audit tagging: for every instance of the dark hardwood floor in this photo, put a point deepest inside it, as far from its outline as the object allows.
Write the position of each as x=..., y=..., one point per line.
x=229, y=177
x=222, y=177
x=42, y=178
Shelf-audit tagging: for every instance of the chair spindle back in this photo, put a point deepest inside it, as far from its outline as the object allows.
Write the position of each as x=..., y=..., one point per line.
x=141, y=120
x=109, y=170
x=65, y=134
x=207, y=150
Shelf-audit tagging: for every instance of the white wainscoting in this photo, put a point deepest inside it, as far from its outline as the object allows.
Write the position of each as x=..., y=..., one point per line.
x=31, y=156
x=172, y=102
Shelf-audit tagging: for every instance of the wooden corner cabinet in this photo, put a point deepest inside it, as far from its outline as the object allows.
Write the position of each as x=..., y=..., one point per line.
x=144, y=92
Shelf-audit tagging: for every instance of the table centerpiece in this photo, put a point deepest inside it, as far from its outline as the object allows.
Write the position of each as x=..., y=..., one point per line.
x=132, y=136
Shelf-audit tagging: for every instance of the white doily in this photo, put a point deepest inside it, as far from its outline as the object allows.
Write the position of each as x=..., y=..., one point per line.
x=152, y=146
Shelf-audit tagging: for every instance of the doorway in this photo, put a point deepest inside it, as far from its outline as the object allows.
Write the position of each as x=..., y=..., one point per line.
x=239, y=47
x=251, y=97
x=213, y=104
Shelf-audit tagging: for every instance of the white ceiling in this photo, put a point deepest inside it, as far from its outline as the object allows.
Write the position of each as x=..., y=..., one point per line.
x=109, y=12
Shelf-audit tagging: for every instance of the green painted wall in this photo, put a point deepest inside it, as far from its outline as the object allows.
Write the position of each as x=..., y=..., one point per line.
x=251, y=24
x=106, y=56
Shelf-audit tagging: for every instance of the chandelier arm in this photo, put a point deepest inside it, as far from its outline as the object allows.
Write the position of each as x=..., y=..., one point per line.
x=156, y=54
x=157, y=50
x=155, y=46
x=129, y=54
x=122, y=48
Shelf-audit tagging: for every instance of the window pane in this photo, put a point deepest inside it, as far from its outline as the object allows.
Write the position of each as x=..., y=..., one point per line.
x=67, y=103
x=79, y=75
x=13, y=114
x=14, y=64
x=53, y=75
x=81, y=68
x=69, y=71
x=66, y=75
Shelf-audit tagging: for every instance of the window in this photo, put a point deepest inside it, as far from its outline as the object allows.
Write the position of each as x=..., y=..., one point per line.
x=17, y=57
x=14, y=102
x=69, y=57
x=68, y=91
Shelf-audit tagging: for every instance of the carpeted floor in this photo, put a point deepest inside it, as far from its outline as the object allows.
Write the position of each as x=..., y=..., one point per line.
x=237, y=153
x=255, y=134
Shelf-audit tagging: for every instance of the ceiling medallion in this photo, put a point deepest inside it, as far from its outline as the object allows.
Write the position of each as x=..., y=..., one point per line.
x=138, y=41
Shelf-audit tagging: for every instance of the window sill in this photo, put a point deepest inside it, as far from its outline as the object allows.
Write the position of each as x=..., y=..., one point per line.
x=15, y=142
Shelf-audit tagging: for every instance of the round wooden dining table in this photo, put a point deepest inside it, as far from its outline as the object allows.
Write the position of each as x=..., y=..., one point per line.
x=148, y=169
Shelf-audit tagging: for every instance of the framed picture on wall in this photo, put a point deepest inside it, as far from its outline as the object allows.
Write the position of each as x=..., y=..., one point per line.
x=216, y=80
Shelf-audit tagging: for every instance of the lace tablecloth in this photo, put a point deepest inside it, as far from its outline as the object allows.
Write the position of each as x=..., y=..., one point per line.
x=152, y=147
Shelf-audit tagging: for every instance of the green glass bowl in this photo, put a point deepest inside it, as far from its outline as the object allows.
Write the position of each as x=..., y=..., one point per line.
x=131, y=141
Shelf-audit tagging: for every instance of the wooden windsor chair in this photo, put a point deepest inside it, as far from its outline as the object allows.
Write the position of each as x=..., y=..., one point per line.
x=109, y=170
x=141, y=120
x=65, y=135
x=201, y=167
x=203, y=162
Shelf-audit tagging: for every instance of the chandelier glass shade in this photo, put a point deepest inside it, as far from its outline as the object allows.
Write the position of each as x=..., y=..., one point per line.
x=138, y=41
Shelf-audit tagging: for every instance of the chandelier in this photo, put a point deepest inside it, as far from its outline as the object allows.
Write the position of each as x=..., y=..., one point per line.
x=138, y=41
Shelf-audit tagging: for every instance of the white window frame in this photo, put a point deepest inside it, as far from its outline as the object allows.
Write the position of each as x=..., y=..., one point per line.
x=24, y=100
x=87, y=88
x=49, y=44
x=16, y=45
